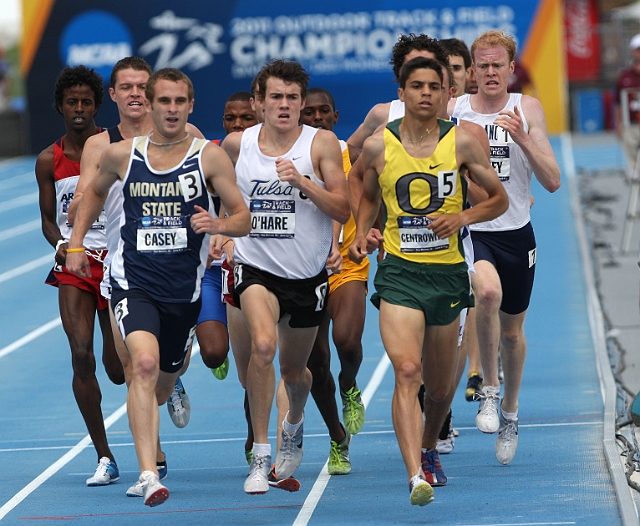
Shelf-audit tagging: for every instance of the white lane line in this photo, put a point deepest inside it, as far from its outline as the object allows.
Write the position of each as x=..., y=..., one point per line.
x=306, y=436
x=27, y=267
x=17, y=180
x=17, y=202
x=30, y=337
x=66, y=458
x=56, y=466
x=21, y=229
x=318, y=488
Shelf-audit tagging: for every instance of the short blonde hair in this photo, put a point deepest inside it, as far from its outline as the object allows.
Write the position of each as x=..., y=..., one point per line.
x=494, y=38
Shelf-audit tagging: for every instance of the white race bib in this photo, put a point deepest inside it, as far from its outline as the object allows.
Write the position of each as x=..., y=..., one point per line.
x=416, y=237
x=162, y=235
x=273, y=218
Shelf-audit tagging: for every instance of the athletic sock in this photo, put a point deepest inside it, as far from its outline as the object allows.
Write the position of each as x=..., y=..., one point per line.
x=510, y=416
x=291, y=428
x=261, y=449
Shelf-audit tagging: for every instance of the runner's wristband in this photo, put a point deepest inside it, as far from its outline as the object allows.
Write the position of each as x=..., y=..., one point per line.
x=74, y=250
x=60, y=242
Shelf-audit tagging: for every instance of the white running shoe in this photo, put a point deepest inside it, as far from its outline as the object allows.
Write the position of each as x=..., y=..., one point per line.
x=487, y=419
x=178, y=405
x=106, y=473
x=154, y=492
x=445, y=446
x=137, y=490
x=257, y=482
x=507, y=441
x=421, y=491
x=290, y=453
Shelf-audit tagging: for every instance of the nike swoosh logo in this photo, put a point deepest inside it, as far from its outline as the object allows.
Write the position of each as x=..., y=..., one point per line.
x=432, y=166
x=296, y=158
x=454, y=304
x=176, y=363
x=185, y=165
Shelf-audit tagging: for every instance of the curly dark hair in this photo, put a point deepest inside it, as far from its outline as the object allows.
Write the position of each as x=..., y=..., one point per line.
x=422, y=42
x=282, y=69
x=74, y=76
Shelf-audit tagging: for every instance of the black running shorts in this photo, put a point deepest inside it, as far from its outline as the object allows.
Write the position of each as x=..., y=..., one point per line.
x=304, y=299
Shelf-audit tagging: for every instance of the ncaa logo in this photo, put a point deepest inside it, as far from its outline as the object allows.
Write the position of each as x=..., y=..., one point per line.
x=97, y=39
x=146, y=221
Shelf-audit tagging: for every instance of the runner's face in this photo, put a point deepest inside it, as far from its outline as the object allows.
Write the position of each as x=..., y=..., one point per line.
x=459, y=73
x=238, y=115
x=472, y=84
x=282, y=104
x=128, y=93
x=422, y=94
x=318, y=112
x=170, y=108
x=447, y=93
x=492, y=69
x=78, y=107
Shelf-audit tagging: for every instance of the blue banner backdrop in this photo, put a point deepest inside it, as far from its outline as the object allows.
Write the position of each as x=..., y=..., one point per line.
x=222, y=45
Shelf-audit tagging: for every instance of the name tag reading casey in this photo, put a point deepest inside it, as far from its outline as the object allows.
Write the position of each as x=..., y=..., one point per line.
x=416, y=237
x=273, y=218
x=163, y=235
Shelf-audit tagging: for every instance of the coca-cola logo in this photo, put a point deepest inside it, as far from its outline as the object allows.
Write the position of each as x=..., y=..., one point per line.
x=579, y=28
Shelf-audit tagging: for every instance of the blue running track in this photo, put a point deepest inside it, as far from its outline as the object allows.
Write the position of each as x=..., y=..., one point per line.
x=559, y=475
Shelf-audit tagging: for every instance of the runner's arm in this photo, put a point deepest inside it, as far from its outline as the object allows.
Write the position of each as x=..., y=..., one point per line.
x=48, y=201
x=535, y=144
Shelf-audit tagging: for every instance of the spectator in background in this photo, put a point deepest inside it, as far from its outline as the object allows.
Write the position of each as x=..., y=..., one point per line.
x=5, y=81
x=520, y=81
x=630, y=79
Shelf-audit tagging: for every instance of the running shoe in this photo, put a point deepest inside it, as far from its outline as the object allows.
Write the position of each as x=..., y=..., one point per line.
x=290, y=453
x=446, y=439
x=288, y=484
x=162, y=469
x=257, y=482
x=339, y=463
x=432, y=469
x=178, y=405
x=137, y=490
x=352, y=409
x=507, y=441
x=487, y=419
x=474, y=388
x=248, y=454
x=106, y=473
x=421, y=491
x=154, y=492
x=221, y=372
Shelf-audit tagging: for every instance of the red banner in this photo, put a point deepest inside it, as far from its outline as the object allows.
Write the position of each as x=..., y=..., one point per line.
x=581, y=19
